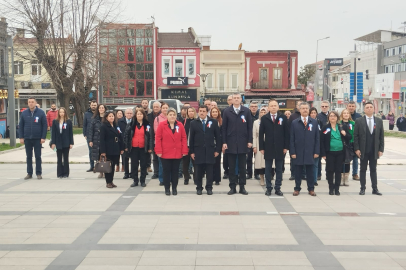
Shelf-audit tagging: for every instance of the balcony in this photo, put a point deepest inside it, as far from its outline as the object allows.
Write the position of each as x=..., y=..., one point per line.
x=277, y=84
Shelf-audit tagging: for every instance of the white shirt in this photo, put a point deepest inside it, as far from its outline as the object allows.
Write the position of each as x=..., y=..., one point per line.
x=235, y=109
x=372, y=123
x=307, y=119
x=273, y=116
x=205, y=119
x=128, y=120
x=60, y=127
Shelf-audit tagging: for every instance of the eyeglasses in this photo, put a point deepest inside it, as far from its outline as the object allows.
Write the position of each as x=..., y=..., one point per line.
x=324, y=106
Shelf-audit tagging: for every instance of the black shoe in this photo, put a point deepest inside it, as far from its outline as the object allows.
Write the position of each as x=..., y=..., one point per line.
x=249, y=176
x=186, y=182
x=161, y=183
x=316, y=184
x=268, y=192
x=292, y=178
x=90, y=170
x=257, y=177
x=199, y=192
x=143, y=184
x=232, y=191
x=126, y=176
x=217, y=183
x=318, y=177
x=155, y=176
x=209, y=192
x=167, y=192
x=174, y=192
x=304, y=178
x=243, y=191
x=331, y=192
x=278, y=192
x=134, y=184
x=362, y=191
x=225, y=176
x=337, y=192
x=180, y=175
x=376, y=192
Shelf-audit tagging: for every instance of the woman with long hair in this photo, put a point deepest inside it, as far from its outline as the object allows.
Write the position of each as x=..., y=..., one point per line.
x=62, y=140
x=346, y=119
x=391, y=118
x=120, y=115
x=215, y=114
x=111, y=144
x=190, y=116
x=138, y=145
x=171, y=146
x=93, y=137
x=332, y=139
x=162, y=117
x=313, y=114
x=259, y=164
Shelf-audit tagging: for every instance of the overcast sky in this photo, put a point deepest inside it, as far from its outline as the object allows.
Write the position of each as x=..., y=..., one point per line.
x=273, y=25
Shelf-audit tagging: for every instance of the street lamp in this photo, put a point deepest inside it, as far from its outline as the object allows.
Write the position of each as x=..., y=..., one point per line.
x=203, y=77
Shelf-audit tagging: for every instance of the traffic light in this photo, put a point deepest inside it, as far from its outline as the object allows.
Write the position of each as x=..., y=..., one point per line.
x=402, y=97
x=367, y=74
x=342, y=81
x=333, y=97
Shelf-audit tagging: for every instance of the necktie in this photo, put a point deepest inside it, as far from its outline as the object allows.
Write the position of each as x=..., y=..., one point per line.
x=237, y=111
x=204, y=126
x=370, y=125
x=273, y=118
x=304, y=122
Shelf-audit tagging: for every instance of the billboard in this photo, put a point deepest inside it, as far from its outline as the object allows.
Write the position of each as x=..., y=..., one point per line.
x=334, y=62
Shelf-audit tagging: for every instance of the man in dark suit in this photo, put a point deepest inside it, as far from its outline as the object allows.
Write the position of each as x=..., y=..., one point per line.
x=237, y=139
x=295, y=115
x=369, y=145
x=323, y=117
x=122, y=124
x=225, y=157
x=156, y=110
x=204, y=147
x=273, y=144
x=304, y=147
x=254, y=116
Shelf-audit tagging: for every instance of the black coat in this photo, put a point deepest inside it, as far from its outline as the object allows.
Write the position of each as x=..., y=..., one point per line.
x=122, y=124
x=129, y=134
x=295, y=115
x=87, y=121
x=111, y=142
x=323, y=118
x=94, y=136
x=237, y=130
x=204, y=143
x=151, y=118
x=276, y=136
x=360, y=136
x=304, y=141
x=401, y=123
x=64, y=139
x=186, y=124
x=325, y=138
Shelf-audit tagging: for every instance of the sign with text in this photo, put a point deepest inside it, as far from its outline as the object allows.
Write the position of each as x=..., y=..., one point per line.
x=220, y=99
x=177, y=81
x=181, y=94
x=332, y=62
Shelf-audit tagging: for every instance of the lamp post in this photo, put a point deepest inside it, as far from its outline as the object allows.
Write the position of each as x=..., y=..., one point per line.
x=317, y=53
x=203, y=77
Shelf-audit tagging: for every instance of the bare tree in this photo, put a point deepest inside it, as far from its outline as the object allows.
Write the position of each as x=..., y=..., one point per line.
x=65, y=33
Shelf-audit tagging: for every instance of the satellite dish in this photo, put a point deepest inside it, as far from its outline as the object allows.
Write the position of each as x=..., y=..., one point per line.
x=239, y=47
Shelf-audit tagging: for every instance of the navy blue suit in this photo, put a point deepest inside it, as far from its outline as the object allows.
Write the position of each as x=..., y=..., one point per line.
x=304, y=143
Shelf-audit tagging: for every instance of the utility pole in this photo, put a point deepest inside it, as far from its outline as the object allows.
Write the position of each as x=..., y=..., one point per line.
x=100, y=82
x=10, y=85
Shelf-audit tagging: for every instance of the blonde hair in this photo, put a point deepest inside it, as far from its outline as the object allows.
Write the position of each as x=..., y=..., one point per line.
x=341, y=115
x=65, y=117
x=194, y=112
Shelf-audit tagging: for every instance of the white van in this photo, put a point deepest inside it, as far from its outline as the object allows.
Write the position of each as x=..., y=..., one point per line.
x=173, y=103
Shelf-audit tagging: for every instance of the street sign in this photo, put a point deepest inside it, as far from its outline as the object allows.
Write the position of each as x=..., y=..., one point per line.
x=334, y=62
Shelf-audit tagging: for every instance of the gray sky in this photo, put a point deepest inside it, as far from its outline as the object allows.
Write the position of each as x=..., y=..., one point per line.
x=273, y=25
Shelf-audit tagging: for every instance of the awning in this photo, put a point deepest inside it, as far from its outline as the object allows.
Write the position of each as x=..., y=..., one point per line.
x=293, y=93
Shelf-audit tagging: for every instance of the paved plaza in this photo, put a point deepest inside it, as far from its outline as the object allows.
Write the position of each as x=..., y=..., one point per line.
x=77, y=223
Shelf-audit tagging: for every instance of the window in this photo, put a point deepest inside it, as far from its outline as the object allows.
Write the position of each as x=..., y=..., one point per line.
x=18, y=67
x=35, y=68
x=399, y=68
x=166, y=67
x=2, y=64
x=191, y=67
x=400, y=49
x=234, y=81
x=393, y=51
x=222, y=82
x=209, y=81
x=148, y=53
x=178, y=67
x=386, y=69
x=386, y=52
x=392, y=68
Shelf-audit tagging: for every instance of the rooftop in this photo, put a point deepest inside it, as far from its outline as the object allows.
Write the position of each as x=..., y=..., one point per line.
x=177, y=40
x=380, y=36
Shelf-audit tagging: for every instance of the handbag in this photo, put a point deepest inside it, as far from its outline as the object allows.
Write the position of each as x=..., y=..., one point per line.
x=348, y=150
x=103, y=165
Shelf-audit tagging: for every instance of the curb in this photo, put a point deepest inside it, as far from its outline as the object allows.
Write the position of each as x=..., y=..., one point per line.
x=11, y=150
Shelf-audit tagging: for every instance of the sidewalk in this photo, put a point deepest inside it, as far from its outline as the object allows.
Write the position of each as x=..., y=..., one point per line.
x=395, y=153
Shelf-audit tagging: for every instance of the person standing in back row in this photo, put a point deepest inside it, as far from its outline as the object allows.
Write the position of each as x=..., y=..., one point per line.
x=87, y=121
x=254, y=116
x=352, y=106
x=237, y=139
x=33, y=131
x=323, y=118
x=369, y=146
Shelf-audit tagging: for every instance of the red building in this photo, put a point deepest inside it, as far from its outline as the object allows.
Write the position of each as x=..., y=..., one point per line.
x=272, y=74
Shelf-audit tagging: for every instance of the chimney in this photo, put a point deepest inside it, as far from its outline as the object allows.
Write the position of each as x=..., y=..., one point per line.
x=20, y=32
x=205, y=42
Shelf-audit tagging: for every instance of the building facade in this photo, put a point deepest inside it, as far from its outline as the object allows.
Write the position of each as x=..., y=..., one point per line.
x=272, y=74
x=178, y=66
x=3, y=75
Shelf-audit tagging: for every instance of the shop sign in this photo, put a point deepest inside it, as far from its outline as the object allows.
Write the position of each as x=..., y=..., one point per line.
x=177, y=81
x=181, y=94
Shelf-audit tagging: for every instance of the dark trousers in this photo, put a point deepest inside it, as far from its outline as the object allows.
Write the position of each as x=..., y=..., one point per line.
x=114, y=161
x=170, y=172
x=334, y=167
x=126, y=164
x=185, y=166
x=391, y=127
x=138, y=157
x=225, y=163
x=155, y=163
x=90, y=157
x=369, y=158
x=217, y=169
x=319, y=169
x=249, y=161
x=29, y=145
x=201, y=169
x=309, y=176
x=232, y=162
x=268, y=173
x=62, y=168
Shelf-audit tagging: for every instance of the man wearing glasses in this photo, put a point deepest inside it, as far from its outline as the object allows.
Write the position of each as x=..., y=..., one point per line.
x=225, y=157
x=323, y=117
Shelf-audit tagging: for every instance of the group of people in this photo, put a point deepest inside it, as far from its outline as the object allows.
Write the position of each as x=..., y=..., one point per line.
x=192, y=142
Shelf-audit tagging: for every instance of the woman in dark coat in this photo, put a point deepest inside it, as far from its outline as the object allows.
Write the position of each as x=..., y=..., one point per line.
x=215, y=114
x=332, y=150
x=191, y=116
x=111, y=145
x=119, y=116
x=62, y=140
x=138, y=145
x=93, y=137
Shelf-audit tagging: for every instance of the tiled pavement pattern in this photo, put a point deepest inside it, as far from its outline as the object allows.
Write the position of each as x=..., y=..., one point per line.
x=77, y=223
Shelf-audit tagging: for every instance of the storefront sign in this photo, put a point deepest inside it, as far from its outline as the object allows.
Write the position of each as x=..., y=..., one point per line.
x=334, y=62
x=181, y=94
x=177, y=81
x=282, y=103
x=220, y=99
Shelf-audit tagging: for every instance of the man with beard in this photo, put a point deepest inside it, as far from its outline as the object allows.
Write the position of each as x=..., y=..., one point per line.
x=144, y=105
x=87, y=120
x=51, y=116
